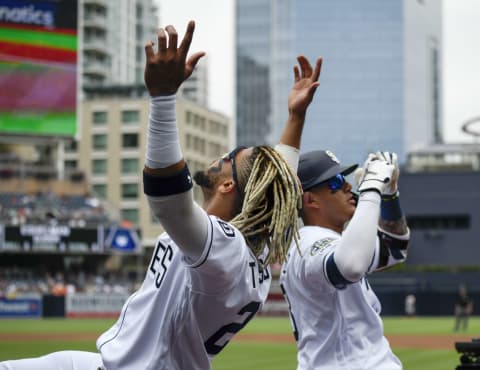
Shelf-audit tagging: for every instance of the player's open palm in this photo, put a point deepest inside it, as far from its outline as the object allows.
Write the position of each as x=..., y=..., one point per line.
x=167, y=67
x=305, y=85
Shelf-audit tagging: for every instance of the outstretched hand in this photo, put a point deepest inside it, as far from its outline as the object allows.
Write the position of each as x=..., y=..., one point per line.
x=168, y=67
x=305, y=85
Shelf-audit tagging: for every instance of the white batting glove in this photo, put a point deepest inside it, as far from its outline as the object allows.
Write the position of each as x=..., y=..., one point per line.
x=376, y=174
x=391, y=157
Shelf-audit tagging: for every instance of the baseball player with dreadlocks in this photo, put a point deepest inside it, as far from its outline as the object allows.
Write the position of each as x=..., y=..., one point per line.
x=209, y=272
x=334, y=312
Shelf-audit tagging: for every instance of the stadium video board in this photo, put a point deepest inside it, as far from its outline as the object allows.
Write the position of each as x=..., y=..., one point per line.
x=59, y=238
x=38, y=67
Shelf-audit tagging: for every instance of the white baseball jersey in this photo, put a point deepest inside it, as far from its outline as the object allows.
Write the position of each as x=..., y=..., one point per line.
x=184, y=314
x=334, y=328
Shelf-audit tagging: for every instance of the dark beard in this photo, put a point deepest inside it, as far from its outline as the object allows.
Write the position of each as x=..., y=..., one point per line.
x=203, y=180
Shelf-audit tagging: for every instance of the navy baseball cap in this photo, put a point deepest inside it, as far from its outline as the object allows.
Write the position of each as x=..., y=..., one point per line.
x=318, y=166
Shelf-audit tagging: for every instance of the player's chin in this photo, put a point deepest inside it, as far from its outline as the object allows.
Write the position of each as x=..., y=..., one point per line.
x=351, y=209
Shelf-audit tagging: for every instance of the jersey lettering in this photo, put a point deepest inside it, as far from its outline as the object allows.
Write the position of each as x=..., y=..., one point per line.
x=227, y=229
x=163, y=254
x=263, y=274
x=213, y=347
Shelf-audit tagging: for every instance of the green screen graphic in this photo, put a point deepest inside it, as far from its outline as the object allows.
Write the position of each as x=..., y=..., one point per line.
x=38, y=67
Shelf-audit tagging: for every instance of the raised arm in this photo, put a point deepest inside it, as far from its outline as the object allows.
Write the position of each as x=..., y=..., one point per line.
x=166, y=178
x=301, y=95
x=165, y=71
x=353, y=256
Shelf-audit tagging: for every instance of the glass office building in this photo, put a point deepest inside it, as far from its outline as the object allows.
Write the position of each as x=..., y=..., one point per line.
x=380, y=81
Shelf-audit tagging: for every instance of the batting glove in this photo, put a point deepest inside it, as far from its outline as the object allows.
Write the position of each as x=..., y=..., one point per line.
x=376, y=174
x=392, y=187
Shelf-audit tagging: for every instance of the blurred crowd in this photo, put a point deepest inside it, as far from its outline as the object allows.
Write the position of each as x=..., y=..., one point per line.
x=73, y=210
x=16, y=282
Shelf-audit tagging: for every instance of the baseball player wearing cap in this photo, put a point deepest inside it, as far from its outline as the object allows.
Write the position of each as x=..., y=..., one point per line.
x=208, y=275
x=334, y=312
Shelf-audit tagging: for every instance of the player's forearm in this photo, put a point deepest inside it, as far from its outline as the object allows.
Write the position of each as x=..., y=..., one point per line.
x=392, y=218
x=292, y=133
x=355, y=251
x=398, y=227
x=163, y=154
x=167, y=180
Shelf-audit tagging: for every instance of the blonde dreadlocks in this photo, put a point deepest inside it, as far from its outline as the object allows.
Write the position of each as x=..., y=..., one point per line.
x=271, y=198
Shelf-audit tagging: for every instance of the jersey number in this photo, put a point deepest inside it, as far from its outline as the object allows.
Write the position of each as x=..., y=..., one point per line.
x=211, y=344
x=164, y=255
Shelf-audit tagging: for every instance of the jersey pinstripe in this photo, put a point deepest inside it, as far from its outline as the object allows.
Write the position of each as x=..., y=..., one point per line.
x=336, y=328
x=185, y=313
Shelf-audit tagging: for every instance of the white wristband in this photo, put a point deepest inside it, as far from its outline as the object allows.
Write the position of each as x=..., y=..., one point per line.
x=163, y=145
x=290, y=154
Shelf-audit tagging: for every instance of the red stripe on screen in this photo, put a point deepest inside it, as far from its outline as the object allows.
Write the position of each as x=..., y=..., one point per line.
x=65, y=31
x=38, y=53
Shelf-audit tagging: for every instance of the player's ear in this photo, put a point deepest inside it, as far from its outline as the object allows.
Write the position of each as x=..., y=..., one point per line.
x=309, y=200
x=226, y=185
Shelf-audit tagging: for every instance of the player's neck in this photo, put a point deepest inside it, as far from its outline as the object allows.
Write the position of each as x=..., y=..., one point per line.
x=322, y=222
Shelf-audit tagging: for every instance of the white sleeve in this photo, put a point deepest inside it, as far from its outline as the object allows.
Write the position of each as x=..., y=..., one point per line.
x=184, y=221
x=353, y=255
x=163, y=144
x=290, y=154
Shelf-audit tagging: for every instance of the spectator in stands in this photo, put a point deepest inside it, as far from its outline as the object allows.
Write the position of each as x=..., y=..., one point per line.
x=410, y=305
x=463, y=309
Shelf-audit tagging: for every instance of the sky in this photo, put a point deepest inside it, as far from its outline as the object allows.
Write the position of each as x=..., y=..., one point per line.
x=214, y=34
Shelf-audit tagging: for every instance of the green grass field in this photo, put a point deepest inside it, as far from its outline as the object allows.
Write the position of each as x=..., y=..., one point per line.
x=238, y=354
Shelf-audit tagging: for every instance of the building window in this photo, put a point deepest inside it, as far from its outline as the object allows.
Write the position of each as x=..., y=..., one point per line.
x=99, y=118
x=439, y=222
x=71, y=146
x=139, y=11
x=130, y=215
x=130, y=140
x=100, y=190
x=99, y=141
x=99, y=166
x=139, y=31
x=130, y=165
x=435, y=91
x=130, y=191
x=70, y=165
x=130, y=116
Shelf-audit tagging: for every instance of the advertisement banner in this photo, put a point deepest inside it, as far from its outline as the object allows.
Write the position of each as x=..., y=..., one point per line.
x=38, y=67
x=21, y=307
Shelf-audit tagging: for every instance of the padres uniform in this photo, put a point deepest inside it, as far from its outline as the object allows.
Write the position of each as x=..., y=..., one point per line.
x=185, y=313
x=336, y=327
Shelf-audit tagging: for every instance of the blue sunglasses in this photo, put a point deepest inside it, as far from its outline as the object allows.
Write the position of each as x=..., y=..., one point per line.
x=336, y=182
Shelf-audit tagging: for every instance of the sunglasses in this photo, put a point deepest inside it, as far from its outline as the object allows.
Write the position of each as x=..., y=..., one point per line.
x=336, y=182
x=230, y=157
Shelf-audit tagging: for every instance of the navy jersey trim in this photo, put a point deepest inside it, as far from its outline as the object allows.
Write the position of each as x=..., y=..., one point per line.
x=207, y=253
x=160, y=186
x=121, y=324
x=334, y=275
